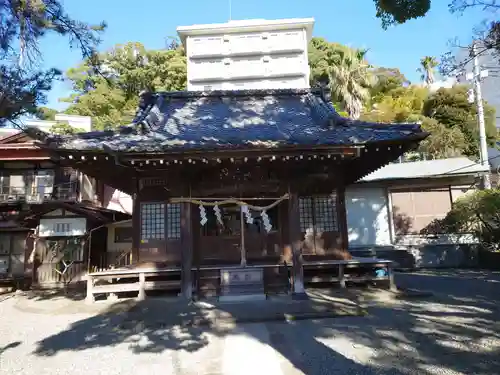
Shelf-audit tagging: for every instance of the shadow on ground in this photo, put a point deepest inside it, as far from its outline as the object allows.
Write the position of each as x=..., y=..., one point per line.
x=455, y=330
x=74, y=294
x=12, y=345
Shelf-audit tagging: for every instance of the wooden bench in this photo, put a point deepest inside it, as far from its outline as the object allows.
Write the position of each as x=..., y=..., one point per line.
x=342, y=265
x=141, y=286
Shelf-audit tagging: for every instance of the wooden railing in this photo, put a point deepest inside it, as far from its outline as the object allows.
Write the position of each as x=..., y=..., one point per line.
x=113, y=259
x=133, y=280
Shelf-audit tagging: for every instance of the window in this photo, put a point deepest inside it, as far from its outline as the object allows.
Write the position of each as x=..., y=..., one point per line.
x=44, y=182
x=123, y=234
x=173, y=221
x=152, y=221
x=318, y=214
x=61, y=228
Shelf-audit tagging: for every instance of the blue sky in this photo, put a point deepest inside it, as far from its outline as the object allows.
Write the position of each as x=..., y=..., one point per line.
x=350, y=22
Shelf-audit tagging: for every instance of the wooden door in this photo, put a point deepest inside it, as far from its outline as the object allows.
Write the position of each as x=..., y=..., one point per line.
x=254, y=238
x=261, y=245
x=319, y=224
x=17, y=255
x=153, y=232
x=220, y=243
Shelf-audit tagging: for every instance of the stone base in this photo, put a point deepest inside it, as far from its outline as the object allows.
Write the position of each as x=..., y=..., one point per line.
x=242, y=298
x=242, y=282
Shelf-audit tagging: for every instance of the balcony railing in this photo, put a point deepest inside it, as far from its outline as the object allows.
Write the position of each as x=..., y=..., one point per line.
x=40, y=193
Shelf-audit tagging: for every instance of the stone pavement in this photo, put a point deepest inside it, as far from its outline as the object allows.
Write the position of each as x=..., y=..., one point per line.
x=456, y=331
x=171, y=312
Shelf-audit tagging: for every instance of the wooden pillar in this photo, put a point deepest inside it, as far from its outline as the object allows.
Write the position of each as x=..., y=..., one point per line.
x=187, y=250
x=295, y=243
x=342, y=218
x=90, y=286
x=141, y=296
x=136, y=226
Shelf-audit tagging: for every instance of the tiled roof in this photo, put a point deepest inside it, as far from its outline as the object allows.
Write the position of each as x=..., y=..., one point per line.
x=426, y=169
x=234, y=119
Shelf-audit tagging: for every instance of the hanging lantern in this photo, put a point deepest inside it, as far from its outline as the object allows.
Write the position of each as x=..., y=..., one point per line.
x=218, y=215
x=203, y=215
x=266, y=221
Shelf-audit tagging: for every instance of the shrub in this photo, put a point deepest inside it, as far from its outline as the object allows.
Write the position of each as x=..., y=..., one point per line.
x=477, y=213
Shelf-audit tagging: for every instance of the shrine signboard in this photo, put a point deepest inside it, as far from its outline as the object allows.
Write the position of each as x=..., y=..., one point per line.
x=242, y=281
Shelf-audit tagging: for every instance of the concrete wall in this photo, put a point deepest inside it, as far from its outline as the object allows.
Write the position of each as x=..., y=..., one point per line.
x=372, y=233
x=425, y=256
x=247, y=55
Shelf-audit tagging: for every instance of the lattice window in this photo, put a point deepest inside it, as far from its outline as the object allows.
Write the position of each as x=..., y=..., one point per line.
x=318, y=213
x=152, y=221
x=306, y=213
x=174, y=221
x=325, y=214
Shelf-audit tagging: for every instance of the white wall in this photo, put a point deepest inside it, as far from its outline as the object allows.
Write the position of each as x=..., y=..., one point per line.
x=367, y=217
x=117, y=200
x=260, y=57
x=67, y=226
x=121, y=246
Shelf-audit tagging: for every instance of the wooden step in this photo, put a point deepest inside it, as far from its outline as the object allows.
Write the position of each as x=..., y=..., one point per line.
x=132, y=287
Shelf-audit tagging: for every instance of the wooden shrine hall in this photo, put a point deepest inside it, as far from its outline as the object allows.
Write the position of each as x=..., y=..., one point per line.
x=235, y=192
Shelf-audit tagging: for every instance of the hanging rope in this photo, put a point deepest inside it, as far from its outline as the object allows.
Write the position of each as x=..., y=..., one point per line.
x=229, y=201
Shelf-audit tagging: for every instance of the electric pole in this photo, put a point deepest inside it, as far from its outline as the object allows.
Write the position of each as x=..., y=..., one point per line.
x=476, y=77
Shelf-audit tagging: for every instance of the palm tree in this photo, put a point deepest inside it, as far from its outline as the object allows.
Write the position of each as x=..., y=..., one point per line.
x=428, y=64
x=350, y=80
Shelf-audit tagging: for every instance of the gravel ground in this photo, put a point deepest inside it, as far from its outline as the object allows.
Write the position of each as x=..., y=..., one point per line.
x=454, y=332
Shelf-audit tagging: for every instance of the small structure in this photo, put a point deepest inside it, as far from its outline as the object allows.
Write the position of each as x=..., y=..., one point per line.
x=235, y=190
x=63, y=238
x=390, y=212
x=43, y=208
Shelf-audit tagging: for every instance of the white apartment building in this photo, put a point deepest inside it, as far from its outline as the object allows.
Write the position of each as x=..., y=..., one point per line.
x=79, y=122
x=249, y=54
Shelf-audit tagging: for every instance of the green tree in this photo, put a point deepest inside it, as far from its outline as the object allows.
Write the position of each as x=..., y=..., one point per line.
x=46, y=113
x=386, y=80
x=63, y=128
x=112, y=97
x=401, y=104
x=345, y=70
x=23, y=83
x=451, y=108
x=400, y=11
x=443, y=142
x=428, y=65
x=406, y=104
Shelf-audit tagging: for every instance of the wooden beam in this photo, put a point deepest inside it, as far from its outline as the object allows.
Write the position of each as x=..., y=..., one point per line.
x=296, y=245
x=187, y=250
x=136, y=225
x=342, y=217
